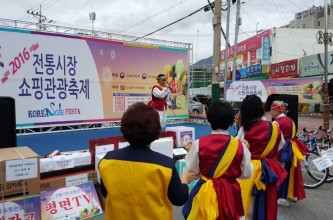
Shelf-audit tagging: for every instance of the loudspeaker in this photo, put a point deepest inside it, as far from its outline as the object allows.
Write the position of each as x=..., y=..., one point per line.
x=7, y=122
x=291, y=100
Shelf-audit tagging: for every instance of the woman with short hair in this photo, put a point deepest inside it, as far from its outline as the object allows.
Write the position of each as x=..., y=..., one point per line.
x=139, y=183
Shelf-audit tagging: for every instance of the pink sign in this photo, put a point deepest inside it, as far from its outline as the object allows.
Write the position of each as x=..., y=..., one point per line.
x=252, y=43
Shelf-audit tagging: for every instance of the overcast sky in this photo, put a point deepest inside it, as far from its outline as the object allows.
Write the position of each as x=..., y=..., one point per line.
x=140, y=17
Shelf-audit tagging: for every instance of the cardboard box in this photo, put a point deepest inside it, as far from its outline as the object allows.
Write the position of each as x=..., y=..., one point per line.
x=21, y=208
x=184, y=135
x=19, y=172
x=56, y=182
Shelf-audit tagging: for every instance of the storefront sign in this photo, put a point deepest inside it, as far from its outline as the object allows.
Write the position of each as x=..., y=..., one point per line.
x=284, y=69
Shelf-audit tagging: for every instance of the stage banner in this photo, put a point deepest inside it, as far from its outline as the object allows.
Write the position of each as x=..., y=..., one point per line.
x=62, y=79
x=71, y=202
x=309, y=90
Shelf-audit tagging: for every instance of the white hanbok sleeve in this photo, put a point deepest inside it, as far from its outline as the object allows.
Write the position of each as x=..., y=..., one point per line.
x=161, y=93
x=246, y=165
x=192, y=158
x=240, y=134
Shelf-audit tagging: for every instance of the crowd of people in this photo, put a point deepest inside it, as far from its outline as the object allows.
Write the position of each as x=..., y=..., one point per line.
x=241, y=177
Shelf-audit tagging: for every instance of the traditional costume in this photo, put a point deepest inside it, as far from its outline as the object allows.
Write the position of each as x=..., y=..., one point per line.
x=291, y=155
x=222, y=160
x=264, y=138
x=159, y=102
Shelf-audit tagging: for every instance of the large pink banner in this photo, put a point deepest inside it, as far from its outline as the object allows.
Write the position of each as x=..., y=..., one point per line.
x=252, y=43
x=308, y=90
x=61, y=80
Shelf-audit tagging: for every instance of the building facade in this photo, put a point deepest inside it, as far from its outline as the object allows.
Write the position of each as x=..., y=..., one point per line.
x=312, y=18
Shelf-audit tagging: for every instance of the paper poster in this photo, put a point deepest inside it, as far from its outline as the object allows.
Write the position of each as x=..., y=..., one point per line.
x=186, y=139
x=71, y=202
x=27, y=208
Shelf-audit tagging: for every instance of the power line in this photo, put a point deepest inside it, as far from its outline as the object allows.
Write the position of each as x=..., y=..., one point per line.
x=152, y=16
x=173, y=22
x=78, y=11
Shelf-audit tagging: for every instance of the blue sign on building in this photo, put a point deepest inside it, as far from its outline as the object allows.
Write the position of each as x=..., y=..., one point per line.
x=265, y=53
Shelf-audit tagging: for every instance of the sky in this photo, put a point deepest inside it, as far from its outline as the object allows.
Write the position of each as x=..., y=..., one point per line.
x=141, y=17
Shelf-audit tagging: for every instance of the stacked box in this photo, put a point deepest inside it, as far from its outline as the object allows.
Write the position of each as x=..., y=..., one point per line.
x=76, y=178
x=19, y=172
x=184, y=135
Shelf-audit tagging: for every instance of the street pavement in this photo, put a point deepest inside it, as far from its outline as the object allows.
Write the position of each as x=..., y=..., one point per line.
x=318, y=204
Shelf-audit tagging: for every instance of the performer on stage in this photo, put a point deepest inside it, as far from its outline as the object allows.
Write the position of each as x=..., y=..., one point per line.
x=159, y=95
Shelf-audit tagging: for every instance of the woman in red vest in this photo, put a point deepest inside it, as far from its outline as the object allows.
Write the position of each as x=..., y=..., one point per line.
x=219, y=159
x=159, y=95
x=290, y=156
x=259, y=193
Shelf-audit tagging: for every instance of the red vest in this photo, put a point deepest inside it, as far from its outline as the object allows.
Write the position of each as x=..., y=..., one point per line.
x=286, y=126
x=158, y=103
x=210, y=148
x=258, y=137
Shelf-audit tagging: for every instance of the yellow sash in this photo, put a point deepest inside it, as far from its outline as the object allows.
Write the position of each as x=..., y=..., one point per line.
x=247, y=184
x=297, y=156
x=205, y=205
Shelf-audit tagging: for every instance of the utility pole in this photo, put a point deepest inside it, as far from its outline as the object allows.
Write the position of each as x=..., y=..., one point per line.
x=216, y=50
x=238, y=23
x=326, y=102
x=41, y=18
x=226, y=57
x=92, y=17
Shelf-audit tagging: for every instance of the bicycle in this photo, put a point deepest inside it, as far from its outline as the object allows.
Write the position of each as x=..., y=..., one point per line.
x=312, y=177
x=326, y=144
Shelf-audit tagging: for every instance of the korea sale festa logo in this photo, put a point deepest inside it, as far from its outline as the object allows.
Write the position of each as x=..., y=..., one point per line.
x=53, y=111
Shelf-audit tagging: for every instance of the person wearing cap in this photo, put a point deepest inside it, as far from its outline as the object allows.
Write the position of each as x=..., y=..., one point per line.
x=159, y=95
x=290, y=155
